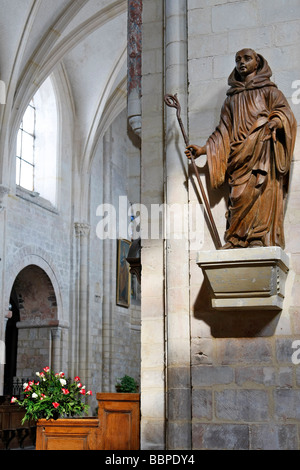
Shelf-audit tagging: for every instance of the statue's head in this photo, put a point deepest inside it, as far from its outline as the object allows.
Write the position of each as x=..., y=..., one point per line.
x=247, y=62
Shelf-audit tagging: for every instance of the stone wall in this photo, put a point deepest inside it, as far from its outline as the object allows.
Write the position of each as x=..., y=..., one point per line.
x=44, y=263
x=114, y=330
x=153, y=402
x=38, y=268
x=244, y=388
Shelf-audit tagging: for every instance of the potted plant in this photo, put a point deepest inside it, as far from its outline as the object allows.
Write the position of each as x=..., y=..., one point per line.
x=127, y=384
x=51, y=401
x=119, y=416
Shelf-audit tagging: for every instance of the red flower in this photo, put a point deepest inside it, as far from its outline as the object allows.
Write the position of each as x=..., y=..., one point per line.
x=13, y=400
x=79, y=385
x=89, y=392
x=77, y=379
x=65, y=391
x=82, y=391
x=46, y=369
x=55, y=404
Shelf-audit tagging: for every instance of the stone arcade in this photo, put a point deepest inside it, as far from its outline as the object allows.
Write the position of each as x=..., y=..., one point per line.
x=85, y=88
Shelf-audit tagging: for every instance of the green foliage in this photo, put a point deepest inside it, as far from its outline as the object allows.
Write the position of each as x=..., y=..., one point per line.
x=127, y=384
x=52, y=397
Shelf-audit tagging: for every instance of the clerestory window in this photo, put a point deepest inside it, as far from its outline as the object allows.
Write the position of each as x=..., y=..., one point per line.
x=36, y=153
x=26, y=149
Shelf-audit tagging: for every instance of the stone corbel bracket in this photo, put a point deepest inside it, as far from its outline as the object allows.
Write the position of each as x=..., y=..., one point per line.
x=4, y=190
x=246, y=278
x=134, y=259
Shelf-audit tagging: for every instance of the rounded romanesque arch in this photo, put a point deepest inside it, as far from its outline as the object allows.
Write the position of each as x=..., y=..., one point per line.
x=33, y=256
x=37, y=294
x=37, y=315
x=36, y=297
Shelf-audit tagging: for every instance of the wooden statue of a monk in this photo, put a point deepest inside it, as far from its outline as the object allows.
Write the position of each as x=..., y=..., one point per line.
x=252, y=148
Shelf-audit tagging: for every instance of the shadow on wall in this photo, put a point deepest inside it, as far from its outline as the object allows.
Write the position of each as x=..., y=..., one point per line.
x=234, y=324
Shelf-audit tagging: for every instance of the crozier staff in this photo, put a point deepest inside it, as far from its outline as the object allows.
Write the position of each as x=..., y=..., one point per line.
x=253, y=147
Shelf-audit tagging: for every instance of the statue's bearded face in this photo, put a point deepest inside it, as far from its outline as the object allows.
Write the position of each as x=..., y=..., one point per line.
x=246, y=62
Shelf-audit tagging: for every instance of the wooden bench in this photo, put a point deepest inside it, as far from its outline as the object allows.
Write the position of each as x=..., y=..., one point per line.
x=14, y=434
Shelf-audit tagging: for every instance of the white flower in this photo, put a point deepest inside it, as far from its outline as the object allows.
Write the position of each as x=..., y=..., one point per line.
x=25, y=385
x=37, y=373
x=34, y=395
x=63, y=381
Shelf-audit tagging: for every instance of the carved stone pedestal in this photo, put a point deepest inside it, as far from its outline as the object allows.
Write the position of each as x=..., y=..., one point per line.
x=246, y=278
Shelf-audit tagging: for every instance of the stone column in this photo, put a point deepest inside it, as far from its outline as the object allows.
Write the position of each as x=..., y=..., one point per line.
x=56, y=349
x=134, y=65
x=152, y=254
x=108, y=294
x=177, y=246
x=4, y=302
x=82, y=231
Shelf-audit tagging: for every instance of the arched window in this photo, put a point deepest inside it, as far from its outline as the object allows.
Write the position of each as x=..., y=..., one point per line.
x=26, y=149
x=36, y=155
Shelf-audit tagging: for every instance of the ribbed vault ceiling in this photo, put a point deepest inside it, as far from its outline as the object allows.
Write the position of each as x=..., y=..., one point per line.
x=84, y=38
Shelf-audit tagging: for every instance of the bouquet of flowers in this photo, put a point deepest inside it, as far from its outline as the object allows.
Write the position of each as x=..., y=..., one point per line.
x=53, y=396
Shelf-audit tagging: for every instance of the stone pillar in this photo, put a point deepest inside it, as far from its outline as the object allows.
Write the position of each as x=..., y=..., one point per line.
x=134, y=65
x=82, y=231
x=108, y=294
x=56, y=349
x=177, y=246
x=4, y=302
x=152, y=254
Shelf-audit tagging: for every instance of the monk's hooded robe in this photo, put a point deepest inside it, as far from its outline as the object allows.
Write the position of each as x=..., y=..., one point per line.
x=257, y=170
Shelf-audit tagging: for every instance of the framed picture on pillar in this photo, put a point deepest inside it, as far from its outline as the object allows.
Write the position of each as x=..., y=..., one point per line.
x=123, y=274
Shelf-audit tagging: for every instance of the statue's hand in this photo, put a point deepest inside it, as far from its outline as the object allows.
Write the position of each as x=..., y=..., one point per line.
x=195, y=151
x=271, y=128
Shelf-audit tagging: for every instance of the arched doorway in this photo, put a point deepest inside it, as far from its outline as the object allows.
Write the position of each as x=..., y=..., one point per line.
x=11, y=344
x=32, y=332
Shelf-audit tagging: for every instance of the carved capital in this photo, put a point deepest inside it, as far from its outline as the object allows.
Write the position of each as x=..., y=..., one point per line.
x=82, y=229
x=56, y=333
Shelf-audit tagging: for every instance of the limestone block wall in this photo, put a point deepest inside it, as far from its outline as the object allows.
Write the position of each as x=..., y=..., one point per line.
x=37, y=243
x=36, y=240
x=245, y=387
x=42, y=262
x=241, y=387
x=153, y=400
x=114, y=331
